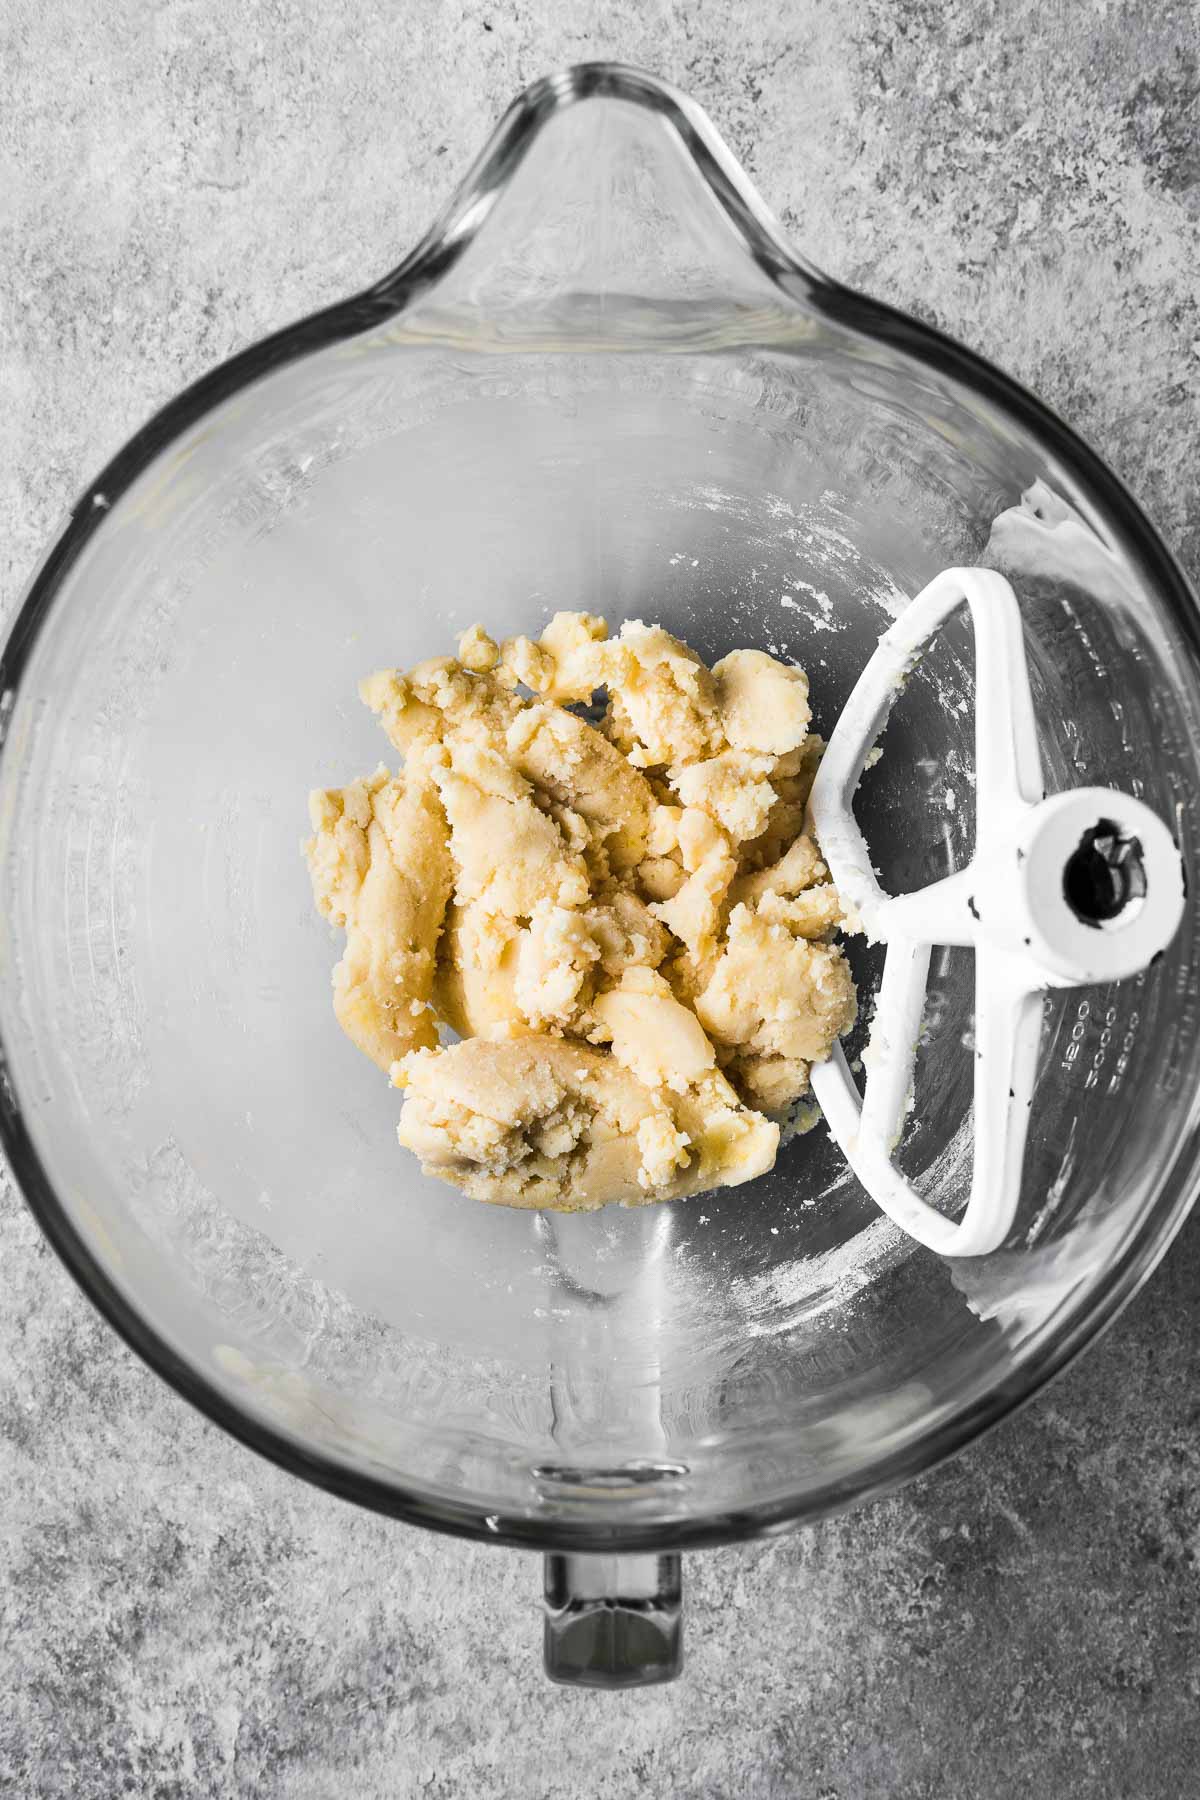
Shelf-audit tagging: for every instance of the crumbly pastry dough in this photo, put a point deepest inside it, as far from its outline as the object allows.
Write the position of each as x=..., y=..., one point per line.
x=592, y=869
x=381, y=868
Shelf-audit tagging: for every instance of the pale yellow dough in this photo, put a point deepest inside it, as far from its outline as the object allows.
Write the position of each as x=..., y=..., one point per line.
x=623, y=921
x=381, y=868
x=542, y=1121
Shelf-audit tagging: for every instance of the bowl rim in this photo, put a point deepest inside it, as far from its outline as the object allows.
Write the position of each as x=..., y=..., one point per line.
x=797, y=279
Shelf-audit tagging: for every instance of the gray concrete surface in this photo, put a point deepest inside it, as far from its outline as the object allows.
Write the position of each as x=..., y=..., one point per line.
x=177, y=1618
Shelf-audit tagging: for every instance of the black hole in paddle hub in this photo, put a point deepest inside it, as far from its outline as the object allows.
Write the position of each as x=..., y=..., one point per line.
x=1104, y=875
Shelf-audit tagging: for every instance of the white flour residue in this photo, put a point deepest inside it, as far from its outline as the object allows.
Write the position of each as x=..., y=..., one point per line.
x=825, y=616
x=1045, y=535
x=1023, y=1289
x=824, y=532
x=889, y=598
x=781, y=1298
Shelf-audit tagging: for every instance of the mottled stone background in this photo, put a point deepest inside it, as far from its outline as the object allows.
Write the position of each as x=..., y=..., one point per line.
x=177, y=1618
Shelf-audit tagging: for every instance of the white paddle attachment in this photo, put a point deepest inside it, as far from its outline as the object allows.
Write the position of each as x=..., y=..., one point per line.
x=1084, y=887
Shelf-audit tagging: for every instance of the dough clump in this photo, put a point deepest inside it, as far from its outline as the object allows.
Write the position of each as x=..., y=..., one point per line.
x=592, y=871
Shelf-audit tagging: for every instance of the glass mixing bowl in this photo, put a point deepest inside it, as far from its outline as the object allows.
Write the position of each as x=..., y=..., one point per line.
x=602, y=381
